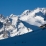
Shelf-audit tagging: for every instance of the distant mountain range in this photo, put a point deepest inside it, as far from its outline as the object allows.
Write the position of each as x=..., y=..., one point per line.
x=28, y=22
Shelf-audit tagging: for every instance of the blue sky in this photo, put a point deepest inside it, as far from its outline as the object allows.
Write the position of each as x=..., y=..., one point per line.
x=8, y=7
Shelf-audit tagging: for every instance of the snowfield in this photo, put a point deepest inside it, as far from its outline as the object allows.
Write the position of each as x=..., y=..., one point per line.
x=27, y=22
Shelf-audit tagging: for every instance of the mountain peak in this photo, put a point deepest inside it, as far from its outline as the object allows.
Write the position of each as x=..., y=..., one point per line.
x=43, y=10
x=1, y=16
x=26, y=12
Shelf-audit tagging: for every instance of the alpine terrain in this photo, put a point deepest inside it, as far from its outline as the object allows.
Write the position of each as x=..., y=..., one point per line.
x=25, y=29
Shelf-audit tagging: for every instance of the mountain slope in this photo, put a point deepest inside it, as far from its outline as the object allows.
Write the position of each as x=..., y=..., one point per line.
x=37, y=38
x=35, y=17
x=28, y=21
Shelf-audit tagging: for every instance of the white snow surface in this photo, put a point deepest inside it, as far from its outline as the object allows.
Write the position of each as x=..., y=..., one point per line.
x=10, y=28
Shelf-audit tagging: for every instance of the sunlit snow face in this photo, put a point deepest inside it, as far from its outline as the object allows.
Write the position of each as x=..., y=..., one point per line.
x=1, y=25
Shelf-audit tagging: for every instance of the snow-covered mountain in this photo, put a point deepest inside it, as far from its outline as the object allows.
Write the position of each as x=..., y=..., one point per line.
x=36, y=38
x=28, y=21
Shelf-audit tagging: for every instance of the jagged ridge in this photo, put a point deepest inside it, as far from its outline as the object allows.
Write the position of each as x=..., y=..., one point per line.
x=27, y=22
